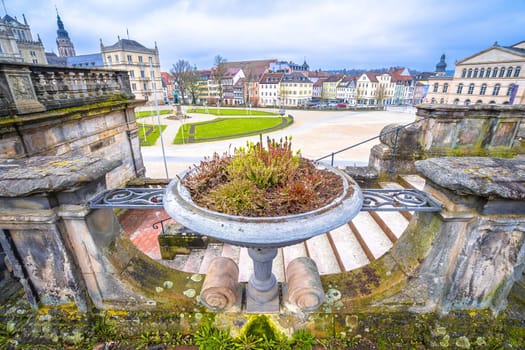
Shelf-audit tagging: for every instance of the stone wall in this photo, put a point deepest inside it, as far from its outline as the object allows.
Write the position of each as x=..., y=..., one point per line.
x=46, y=111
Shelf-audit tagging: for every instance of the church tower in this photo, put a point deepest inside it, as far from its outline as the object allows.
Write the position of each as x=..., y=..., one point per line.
x=441, y=66
x=64, y=44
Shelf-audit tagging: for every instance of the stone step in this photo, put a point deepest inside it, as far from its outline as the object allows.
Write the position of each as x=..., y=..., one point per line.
x=194, y=261
x=214, y=250
x=245, y=265
x=321, y=251
x=371, y=233
x=347, y=248
x=412, y=181
x=292, y=252
x=231, y=251
x=395, y=221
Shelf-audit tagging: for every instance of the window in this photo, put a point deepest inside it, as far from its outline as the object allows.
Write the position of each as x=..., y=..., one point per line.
x=460, y=88
x=145, y=87
x=442, y=100
x=495, y=92
x=509, y=72
x=142, y=74
x=32, y=53
x=502, y=72
x=134, y=86
x=481, y=72
x=109, y=59
x=35, y=61
x=470, y=89
x=475, y=73
x=495, y=72
x=509, y=90
x=140, y=59
x=129, y=59
x=456, y=101
x=488, y=73
x=436, y=86
x=483, y=89
x=132, y=73
x=464, y=73
x=517, y=72
x=469, y=74
x=445, y=87
x=433, y=100
x=116, y=58
x=150, y=60
x=467, y=102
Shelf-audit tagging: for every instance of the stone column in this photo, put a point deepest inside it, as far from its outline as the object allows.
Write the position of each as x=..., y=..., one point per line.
x=485, y=254
x=262, y=291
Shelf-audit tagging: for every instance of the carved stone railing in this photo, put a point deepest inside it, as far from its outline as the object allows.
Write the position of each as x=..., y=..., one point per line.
x=28, y=88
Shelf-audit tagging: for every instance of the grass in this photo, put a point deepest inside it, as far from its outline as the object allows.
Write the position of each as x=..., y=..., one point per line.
x=152, y=133
x=225, y=128
x=144, y=114
x=230, y=111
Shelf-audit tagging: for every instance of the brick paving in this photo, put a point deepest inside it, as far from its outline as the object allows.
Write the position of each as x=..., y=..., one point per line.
x=138, y=225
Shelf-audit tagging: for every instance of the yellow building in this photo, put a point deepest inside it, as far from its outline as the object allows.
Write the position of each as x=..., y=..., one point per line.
x=494, y=75
x=143, y=65
x=295, y=89
x=329, y=91
x=17, y=44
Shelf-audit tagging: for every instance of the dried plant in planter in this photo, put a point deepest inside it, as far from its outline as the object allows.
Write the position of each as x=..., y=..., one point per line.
x=262, y=181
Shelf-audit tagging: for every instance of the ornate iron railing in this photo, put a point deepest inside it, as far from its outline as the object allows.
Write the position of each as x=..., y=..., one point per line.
x=374, y=199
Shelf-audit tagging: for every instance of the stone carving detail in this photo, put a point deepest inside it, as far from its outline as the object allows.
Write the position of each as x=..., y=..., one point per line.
x=304, y=288
x=21, y=86
x=220, y=289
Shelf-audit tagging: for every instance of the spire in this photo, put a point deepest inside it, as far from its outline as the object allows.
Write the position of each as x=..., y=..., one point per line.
x=64, y=43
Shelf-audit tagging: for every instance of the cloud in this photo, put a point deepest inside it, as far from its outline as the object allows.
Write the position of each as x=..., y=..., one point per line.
x=329, y=33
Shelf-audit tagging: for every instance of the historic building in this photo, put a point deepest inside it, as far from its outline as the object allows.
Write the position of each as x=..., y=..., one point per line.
x=494, y=76
x=270, y=89
x=17, y=44
x=142, y=63
x=65, y=46
x=295, y=89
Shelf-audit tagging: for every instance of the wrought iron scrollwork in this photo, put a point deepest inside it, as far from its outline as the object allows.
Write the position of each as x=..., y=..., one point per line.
x=138, y=198
x=374, y=199
x=399, y=200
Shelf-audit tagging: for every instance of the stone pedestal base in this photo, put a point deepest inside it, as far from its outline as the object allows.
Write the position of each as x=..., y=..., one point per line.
x=270, y=306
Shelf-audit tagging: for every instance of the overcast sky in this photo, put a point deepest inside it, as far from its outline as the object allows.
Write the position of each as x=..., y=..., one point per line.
x=330, y=34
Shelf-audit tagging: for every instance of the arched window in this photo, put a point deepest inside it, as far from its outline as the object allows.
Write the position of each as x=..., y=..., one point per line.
x=509, y=72
x=495, y=92
x=469, y=74
x=441, y=100
x=445, y=87
x=433, y=100
x=478, y=102
x=502, y=72
x=517, y=72
x=456, y=101
x=488, y=73
x=483, y=89
x=436, y=86
x=495, y=72
x=460, y=88
x=475, y=73
x=467, y=102
x=492, y=102
x=464, y=73
x=481, y=72
x=509, y=90
x=470, y=89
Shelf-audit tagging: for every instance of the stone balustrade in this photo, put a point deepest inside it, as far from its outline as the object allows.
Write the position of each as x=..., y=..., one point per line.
x=451, y=130
x=26, y=89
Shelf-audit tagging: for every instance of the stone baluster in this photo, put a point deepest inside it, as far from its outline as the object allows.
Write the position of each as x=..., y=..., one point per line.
x=51, y=86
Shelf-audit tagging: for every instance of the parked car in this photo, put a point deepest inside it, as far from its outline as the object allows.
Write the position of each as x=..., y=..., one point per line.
x=341, y=105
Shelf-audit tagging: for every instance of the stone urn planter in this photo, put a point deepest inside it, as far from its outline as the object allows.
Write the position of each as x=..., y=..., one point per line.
x=263, y=235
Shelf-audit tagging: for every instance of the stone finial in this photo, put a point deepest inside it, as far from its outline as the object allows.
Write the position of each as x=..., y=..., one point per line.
x=304, y=288
x=221, y=288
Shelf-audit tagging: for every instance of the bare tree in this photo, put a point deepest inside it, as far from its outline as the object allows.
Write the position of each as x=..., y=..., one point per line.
x=181, y=73
x=193, y=86
x=380, y=94
x=218, y=72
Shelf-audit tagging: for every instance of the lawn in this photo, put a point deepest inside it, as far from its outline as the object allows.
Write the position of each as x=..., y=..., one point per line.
x=144, y=114
x=151, y=132
x=225, y=128
x=230, y=111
